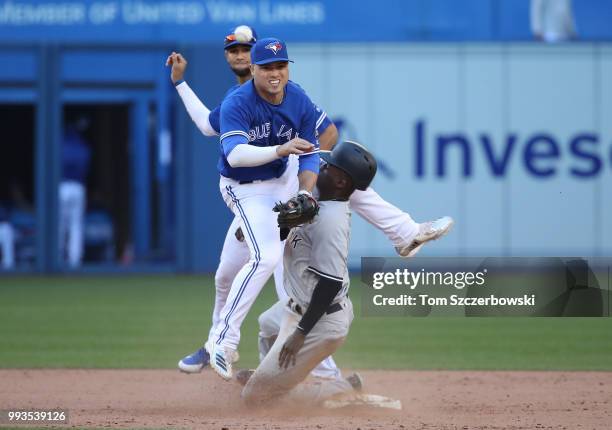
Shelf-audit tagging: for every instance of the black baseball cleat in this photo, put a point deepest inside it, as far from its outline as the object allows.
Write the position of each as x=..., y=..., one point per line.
x=355, y=380
x=243, y=376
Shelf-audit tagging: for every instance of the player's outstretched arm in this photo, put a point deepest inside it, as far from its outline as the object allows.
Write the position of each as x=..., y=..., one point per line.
x=198, y=112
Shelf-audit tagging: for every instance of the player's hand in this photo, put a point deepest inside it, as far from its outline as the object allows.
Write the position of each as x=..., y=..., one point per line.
x=290, y=349
x=178, y=64
x=294, y=146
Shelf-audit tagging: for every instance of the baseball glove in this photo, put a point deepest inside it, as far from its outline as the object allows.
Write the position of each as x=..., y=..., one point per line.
x=298, y=210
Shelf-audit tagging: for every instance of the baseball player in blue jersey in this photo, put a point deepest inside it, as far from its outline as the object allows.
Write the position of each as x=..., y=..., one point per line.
x=262, y=123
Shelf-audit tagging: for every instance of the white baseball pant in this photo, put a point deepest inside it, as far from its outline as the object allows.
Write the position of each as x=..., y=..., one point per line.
x=269, y=328
x=398, y=226
x=71, y=214
x=270, y=382
x=253, y=204
x=234, y=255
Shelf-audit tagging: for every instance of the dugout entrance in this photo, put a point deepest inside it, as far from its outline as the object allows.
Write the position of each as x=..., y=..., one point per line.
x=128, y=219
x=122, y=115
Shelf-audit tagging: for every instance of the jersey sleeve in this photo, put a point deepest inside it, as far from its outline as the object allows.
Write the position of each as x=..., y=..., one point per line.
x=323, y=120
x=214, y=118
x=329, y=254
x=234, y=121
x=308, y=132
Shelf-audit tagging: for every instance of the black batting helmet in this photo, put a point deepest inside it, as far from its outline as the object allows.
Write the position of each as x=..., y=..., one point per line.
x=355, y=160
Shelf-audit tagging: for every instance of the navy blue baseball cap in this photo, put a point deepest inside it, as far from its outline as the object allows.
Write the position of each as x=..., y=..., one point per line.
x=241, y=35
x=269, y=50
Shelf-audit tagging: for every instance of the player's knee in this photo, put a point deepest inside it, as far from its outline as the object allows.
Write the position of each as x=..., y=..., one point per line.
x=267, y=323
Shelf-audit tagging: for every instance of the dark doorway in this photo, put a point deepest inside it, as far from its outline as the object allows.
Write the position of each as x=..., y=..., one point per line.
x=17, y=125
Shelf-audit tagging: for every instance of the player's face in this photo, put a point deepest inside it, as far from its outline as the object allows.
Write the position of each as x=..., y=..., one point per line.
x=325, y=180
x=331, y=181
x=239, y=59
x=271, y=78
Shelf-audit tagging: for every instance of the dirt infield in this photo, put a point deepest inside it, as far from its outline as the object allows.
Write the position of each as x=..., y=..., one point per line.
x=431, y=400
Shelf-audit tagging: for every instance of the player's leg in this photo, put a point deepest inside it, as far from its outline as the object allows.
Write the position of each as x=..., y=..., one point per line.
x=270, y=382
x=253, y=203
x=234, y=255
x=398, y=226
x=327, y=369
x=406, y=235
x=75, y=224
x=269, y=327
x=329, y=381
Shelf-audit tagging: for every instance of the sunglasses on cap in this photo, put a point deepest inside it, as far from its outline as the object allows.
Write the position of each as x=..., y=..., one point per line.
x=230, y=39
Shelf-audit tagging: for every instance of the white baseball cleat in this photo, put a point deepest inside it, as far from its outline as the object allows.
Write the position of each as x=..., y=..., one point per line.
x=430, y=230
x=221, y=360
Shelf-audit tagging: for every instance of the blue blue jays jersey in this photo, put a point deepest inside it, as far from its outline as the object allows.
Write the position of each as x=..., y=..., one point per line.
x=246, y=118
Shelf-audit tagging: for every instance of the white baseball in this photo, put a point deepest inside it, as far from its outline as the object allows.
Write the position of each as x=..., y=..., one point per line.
x=243, y=33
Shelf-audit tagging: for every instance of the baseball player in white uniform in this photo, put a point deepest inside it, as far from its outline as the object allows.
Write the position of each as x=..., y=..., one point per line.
x=318, y=312
x=406, y=235
x=76, y=156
